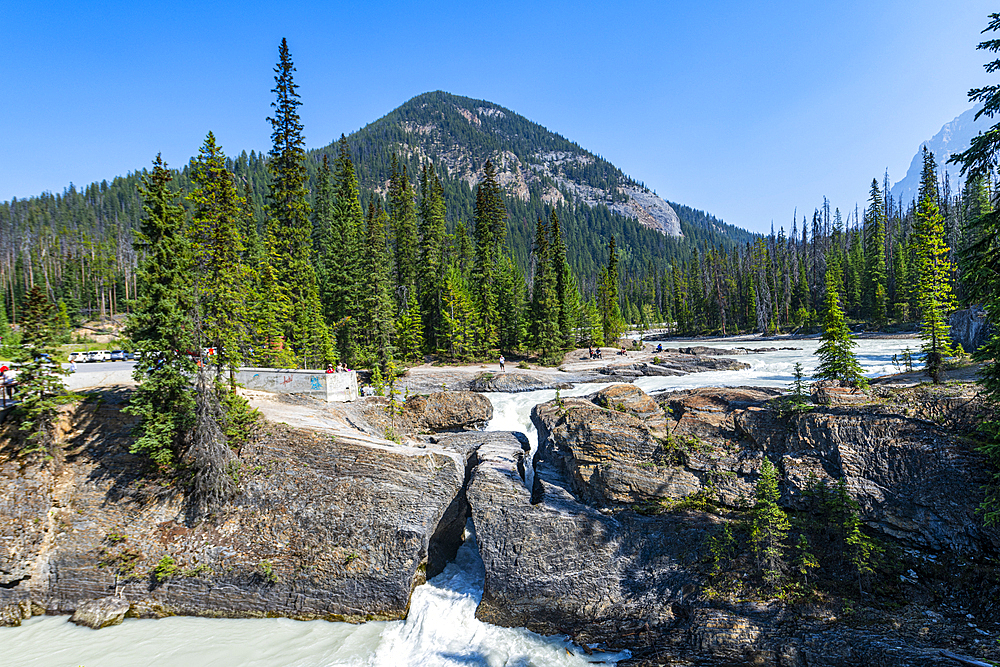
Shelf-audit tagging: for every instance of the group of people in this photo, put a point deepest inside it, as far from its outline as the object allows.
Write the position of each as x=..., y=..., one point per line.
x=341, y=368
x=595, y=354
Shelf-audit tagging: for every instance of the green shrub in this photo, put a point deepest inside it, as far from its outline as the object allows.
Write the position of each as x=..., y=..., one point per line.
x=267, y=570
x=165, y=568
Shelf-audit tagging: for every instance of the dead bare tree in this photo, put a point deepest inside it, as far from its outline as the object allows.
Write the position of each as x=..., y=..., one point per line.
x=214, y=464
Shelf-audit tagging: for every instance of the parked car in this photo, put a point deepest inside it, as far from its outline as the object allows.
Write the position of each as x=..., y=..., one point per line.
x=117, y=355
x=98, y=355
x=131, y=356
x=77, y=356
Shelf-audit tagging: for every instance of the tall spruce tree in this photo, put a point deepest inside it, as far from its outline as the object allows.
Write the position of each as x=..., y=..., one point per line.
x=875, y=263
x=432, y=256
x=837, y=360
x=935, y=270
x=403, y=221
x=544, y=301
x=375, y=309
x=510, y=305
x=221, y=290
x=348, y=221
x=612, y=322
x=337, y=223
x=289, y=228
x=490, y=234
x=161, y=326
x=567, y=292
x=39, y=378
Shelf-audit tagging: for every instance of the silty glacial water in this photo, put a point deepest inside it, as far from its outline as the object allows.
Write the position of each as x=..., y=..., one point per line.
x=441, y=629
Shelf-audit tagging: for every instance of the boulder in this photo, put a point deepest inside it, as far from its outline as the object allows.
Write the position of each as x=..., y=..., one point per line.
x=833, y=393
x=13, y=612
x=100, y=613
x=436, y=412
x=702, y=350
x=449, y=411
x=629, y=398
x=672, y=365
x=512, y=382
x=610, y=457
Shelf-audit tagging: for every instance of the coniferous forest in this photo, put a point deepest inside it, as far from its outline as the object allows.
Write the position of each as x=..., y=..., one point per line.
x=368, y=251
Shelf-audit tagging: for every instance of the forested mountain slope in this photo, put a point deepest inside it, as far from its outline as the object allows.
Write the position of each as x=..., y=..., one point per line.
x=79, y=243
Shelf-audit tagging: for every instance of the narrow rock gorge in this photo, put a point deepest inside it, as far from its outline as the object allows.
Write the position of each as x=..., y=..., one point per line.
x=611, y=545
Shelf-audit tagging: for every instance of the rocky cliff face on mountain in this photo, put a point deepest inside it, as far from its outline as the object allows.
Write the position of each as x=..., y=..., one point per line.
x=461, y=133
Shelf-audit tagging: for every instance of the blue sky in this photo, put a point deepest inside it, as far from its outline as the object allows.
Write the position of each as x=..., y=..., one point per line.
x=746, y=110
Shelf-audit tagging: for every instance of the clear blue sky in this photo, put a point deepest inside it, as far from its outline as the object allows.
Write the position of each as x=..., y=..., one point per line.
x=746, y=110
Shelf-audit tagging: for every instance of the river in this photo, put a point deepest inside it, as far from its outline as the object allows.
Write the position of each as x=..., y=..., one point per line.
x=441, y=630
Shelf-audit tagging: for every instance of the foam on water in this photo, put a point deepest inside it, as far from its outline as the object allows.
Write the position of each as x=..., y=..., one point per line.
x=441, y=630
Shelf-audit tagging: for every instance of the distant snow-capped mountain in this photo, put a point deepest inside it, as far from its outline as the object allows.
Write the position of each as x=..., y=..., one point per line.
x=953, y=138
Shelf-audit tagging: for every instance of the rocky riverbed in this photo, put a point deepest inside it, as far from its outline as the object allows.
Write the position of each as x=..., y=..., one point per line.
x=611, y=544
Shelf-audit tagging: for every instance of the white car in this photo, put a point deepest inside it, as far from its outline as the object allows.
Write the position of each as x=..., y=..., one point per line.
x=98, y=355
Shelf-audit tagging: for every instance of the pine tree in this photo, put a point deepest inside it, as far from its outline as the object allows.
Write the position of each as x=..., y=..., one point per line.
x=979, y=164
x=837, y=361
x=510, y=305
x=461, y=326
x=612, y=322
x=982, y=244
x=403, y=221
x=432, y=259
x=798, y=385
x=490, y=233
x=337, y=222
x=39, y=378
x=544, y=302
x=935, y=270
x=769, y=527
x=566, y=291
x=375, y=321
x=63, y=324
x=161, y=326
x=252, y=265
x=876, y=272
x=862, y=551
x=409, y=332
x=221, y=292
x=289, y=228
x=805, y=560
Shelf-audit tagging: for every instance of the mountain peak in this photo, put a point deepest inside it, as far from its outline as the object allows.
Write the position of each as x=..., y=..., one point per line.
x=953, y=137
x=462, y=133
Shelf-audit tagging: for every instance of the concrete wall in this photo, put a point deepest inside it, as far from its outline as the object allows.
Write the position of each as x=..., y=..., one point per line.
x=324, y=386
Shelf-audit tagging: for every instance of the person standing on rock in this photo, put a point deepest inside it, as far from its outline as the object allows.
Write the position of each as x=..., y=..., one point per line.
x=502, y=360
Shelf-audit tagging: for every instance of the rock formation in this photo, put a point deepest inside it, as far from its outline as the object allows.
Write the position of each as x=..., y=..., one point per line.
x=432, y=413
x=321, y=528
x=970, y=328
x=344, y=529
